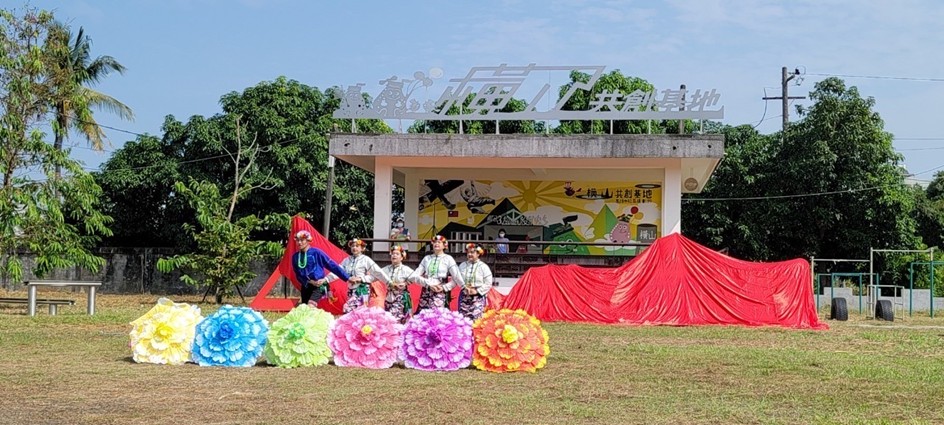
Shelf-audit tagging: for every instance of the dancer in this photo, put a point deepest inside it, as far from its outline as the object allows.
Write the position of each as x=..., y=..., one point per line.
x=432, y=274
x=398, y=302
x=478, y=281
x=362, y=271
x=309, y=264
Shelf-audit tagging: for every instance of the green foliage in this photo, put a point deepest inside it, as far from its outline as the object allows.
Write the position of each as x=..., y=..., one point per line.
x=929, y=216
x=838, y=148
x=139, y=182
x=56, y=218
x=479, y=127
x=76, y=71
x=935, y=189
x=224, y=248
x=288, y=120
x=742, y=173
x=613, y=82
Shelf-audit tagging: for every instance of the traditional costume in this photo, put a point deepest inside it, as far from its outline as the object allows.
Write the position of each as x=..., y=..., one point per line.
x=362, y=266
x=309, y=265
x=478, y=278
x=398, y=302
x=434, y=271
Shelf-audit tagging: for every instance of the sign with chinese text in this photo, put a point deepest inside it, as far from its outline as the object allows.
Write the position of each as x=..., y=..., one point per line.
x=492, y=87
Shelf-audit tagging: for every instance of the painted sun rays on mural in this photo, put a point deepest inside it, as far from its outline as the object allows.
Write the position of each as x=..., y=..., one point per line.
x=535, y=194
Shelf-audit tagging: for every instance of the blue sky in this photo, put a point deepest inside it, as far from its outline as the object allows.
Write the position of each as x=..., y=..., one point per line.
x=182, y=56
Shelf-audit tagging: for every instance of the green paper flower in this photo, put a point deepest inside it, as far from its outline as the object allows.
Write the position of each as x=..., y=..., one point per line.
x=300, y=338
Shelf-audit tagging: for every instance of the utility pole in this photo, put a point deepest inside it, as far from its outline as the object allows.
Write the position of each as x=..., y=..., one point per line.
x=784, y=79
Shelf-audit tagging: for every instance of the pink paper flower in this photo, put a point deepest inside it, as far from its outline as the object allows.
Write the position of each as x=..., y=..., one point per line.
x=367, y=337
x=437, y=339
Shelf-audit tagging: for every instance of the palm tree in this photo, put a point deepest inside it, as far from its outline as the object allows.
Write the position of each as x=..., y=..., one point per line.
x=75, y=72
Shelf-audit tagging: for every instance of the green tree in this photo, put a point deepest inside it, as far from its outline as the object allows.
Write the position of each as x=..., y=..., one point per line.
x=935, y=189
x=290, y=123
x=841, y=146
x=57, y=220
x=612, y=82
x=479, y=126
x=224, y=245
x=75, y=71
x=739, y=226
x=929, y=211
x=839, y=150
x=138, y=181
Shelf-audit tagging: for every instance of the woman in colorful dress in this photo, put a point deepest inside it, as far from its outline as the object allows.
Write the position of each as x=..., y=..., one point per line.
x=478, y=281
x=362, y=270
x=432, y=275
x=398, y=302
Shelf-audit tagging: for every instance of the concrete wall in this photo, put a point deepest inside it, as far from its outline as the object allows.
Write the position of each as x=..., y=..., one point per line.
x=134, y=271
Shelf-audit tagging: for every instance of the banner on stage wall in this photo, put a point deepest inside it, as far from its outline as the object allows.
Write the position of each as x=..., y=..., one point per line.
x=568, y=211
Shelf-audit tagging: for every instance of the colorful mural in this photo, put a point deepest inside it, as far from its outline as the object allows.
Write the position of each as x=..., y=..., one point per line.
x=567, y=211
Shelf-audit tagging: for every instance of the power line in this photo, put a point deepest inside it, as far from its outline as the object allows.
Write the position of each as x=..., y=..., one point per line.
x=785, y=78
x=806, y=195
x=879, y=77
x=799, y=195
x=918, y=138
x=189, y=161
x=921, y=149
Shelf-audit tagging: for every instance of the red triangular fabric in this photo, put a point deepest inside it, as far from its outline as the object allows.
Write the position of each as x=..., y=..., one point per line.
x=674, y=282
x=334, y=304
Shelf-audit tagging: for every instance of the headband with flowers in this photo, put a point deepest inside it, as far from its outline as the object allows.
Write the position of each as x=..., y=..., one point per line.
x=356, y=241
x=303, y=234
x=398, y=248
x=475, y=247
x=439, y=238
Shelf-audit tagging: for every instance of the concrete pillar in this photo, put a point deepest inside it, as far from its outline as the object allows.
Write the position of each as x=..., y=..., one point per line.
x=672, y=198
x=411, y=206
x=383, y=191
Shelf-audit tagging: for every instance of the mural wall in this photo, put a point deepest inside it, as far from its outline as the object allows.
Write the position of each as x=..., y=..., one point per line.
x=602, y=212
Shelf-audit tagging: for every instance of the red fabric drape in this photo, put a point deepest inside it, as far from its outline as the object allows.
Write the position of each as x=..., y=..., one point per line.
x=334, y=304
x=674, y=282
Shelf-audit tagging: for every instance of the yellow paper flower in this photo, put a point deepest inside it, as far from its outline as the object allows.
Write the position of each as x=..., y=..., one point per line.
x=508, y=341
x=164, y=335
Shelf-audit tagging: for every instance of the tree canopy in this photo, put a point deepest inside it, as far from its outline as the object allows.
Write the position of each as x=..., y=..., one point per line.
x=290, y=122
x=57, y=218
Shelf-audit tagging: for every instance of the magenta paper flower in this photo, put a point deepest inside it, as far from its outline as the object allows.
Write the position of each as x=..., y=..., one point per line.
x=367, y=337
x=437, y=339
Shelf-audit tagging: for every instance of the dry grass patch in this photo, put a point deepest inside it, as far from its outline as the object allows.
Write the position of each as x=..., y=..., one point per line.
x=73, y=368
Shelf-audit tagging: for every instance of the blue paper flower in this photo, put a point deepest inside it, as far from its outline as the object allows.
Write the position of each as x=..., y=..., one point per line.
x=233, y=336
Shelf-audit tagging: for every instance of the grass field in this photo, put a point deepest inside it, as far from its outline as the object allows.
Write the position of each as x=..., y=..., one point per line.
x=73, y=369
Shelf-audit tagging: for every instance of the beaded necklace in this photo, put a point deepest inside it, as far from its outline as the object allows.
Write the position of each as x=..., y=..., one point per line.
x=395, y=274
x=471, y=279
x=433, y=270
x=302, y=259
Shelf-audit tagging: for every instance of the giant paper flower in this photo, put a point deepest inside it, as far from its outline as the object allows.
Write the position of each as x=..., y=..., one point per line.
x=366, y=337
x=508, y=341
x=164, y=335
x=300, y=338
x=437, y=339
x=233, y=336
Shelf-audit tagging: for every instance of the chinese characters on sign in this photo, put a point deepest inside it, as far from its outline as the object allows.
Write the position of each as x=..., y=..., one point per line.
x=492, y=87
x=633, y=196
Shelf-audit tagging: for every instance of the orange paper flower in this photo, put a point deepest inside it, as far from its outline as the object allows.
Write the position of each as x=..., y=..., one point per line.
x=509, y=341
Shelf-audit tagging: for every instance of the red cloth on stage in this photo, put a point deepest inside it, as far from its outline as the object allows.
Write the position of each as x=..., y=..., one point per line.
x=674, y=282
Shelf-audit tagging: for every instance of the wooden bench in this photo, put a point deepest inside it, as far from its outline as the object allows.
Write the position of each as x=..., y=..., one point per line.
x=53, y=304
x=33, y=284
